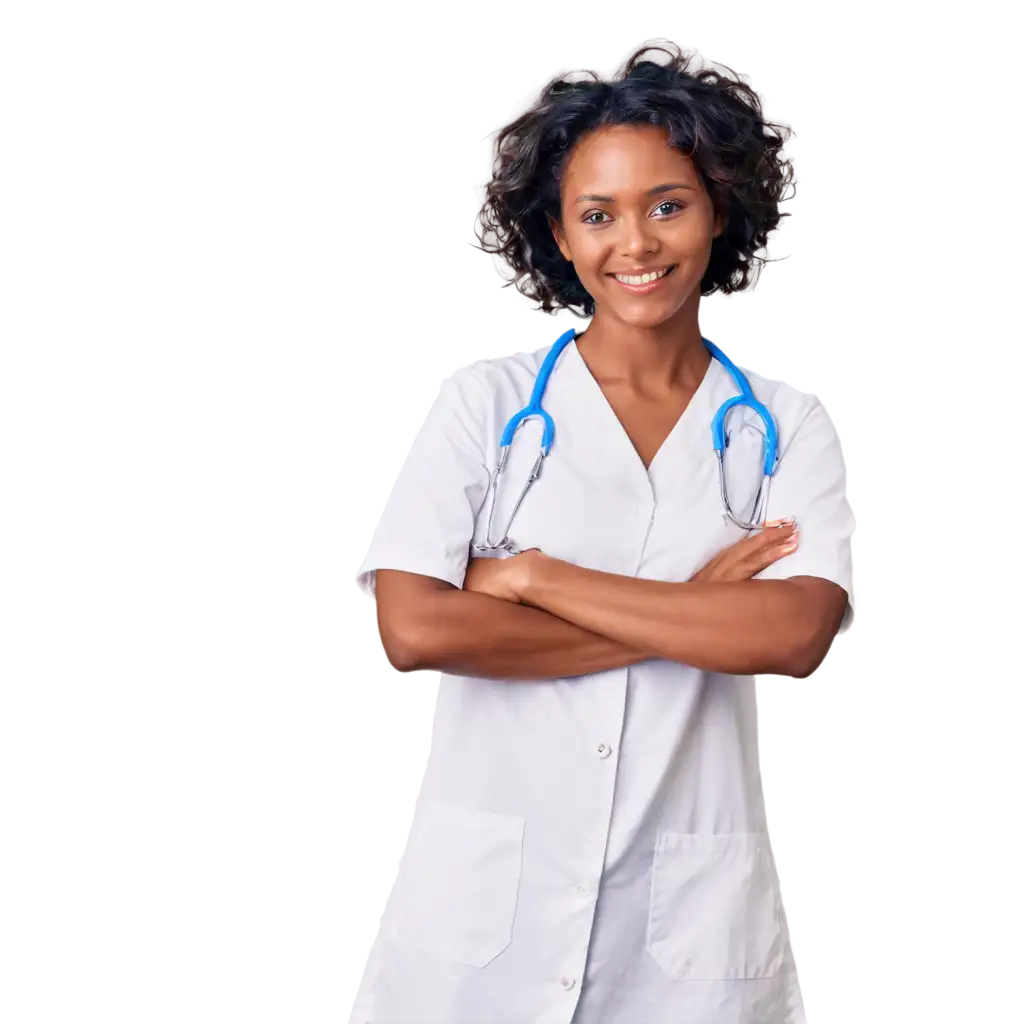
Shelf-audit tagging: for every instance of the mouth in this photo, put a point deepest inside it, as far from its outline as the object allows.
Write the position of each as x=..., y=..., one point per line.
x=641, y=287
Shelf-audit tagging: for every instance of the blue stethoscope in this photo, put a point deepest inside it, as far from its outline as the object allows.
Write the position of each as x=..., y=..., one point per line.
x=718, y=438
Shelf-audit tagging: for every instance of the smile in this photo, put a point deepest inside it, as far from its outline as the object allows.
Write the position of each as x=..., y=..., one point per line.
x=642, y=284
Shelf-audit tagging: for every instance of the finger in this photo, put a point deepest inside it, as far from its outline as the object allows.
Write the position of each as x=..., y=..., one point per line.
x=766, y=538
x=760, y=558
x=751, y=554
x=774, y=535
x=733, y=562
x=775, y=525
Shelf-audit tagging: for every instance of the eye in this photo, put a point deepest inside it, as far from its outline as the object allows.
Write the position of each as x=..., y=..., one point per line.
x=587, y=220
x=671, y=202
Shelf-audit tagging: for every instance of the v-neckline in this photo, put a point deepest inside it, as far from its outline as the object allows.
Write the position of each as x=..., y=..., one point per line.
x=696, y=399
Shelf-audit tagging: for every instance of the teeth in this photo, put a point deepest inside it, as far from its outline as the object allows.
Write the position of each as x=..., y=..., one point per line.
x=643, y=279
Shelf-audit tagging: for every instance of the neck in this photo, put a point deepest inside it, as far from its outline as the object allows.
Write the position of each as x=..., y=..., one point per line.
x=666, y=357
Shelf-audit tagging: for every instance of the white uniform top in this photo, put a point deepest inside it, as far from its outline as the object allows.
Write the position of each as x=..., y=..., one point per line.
x=594, y=849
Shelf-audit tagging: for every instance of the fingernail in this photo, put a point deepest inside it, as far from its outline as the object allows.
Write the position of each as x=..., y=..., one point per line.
x=788, y=548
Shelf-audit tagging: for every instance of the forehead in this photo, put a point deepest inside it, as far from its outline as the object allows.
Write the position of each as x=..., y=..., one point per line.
x=626, y=158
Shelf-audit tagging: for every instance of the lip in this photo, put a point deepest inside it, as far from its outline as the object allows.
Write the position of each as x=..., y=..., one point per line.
x=643, y=289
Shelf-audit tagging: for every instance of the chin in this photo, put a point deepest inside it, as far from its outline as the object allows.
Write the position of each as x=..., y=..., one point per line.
x=646, y=316
x=636, y=314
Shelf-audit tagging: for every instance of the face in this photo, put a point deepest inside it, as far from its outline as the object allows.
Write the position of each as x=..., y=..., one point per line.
x=631, y=202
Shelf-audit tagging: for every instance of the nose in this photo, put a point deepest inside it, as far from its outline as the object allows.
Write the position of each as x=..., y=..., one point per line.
x=638, y=237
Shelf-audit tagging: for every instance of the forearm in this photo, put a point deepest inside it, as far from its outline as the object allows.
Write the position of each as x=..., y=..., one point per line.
x=742, y=627
x=474, y=634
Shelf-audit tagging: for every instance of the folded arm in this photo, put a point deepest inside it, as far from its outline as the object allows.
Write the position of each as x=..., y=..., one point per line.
x=426, y=623
x=484, y=630
x=783, y=627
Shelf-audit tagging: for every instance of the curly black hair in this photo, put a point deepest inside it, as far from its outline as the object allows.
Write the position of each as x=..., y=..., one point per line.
x=713, y=118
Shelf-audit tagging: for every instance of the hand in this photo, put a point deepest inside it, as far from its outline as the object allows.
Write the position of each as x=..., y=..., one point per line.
x=748, y=556
x=501, y=577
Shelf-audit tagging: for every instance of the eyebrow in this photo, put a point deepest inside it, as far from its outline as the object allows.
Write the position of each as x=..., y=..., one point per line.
x=591, y=198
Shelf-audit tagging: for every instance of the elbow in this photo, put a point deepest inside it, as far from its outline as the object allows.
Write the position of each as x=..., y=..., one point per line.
x=806, y=653
x=814, y=624
x=413, y=615
x=798, y=664
x=401, y=646
x=401, y=657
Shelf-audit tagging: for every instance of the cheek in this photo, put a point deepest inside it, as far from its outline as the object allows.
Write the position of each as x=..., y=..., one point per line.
x=589, y=259
x=693, y=243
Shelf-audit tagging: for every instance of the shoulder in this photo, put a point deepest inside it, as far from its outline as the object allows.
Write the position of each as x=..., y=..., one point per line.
x=790, y=406
x=799, y=415
x=495, y=378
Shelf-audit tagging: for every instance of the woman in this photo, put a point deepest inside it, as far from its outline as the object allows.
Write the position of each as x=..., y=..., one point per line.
x=589, y=843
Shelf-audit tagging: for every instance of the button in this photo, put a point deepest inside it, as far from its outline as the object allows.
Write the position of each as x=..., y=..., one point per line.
x=603, y=749
x=582, y=889
x=567, y=983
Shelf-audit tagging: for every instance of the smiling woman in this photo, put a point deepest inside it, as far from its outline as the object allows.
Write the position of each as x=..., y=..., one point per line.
x=676, y=222
x=719, y=152
x=589, y=843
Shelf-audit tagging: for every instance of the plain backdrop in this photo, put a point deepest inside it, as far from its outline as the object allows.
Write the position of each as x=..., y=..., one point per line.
x=231, y=263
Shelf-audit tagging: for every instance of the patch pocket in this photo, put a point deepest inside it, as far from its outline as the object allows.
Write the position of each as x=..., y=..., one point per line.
x=458, y=881
x=714, y=907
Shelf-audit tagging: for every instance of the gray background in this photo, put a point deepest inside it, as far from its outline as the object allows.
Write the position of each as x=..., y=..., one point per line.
x=231, y=267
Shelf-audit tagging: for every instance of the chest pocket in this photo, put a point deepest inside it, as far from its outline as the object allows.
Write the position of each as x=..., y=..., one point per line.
x=458, y=881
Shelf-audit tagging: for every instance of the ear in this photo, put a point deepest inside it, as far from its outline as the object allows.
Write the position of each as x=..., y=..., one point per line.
x=559, y=235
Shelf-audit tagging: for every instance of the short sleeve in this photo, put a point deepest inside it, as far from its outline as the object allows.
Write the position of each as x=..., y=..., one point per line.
x=428, y=521
x=809, y=484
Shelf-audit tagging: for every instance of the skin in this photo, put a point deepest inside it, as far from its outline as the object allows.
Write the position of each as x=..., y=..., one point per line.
x=645, y=351
x=777, y=626
x=533, y=616
x=610, y=222
x=485, y=631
